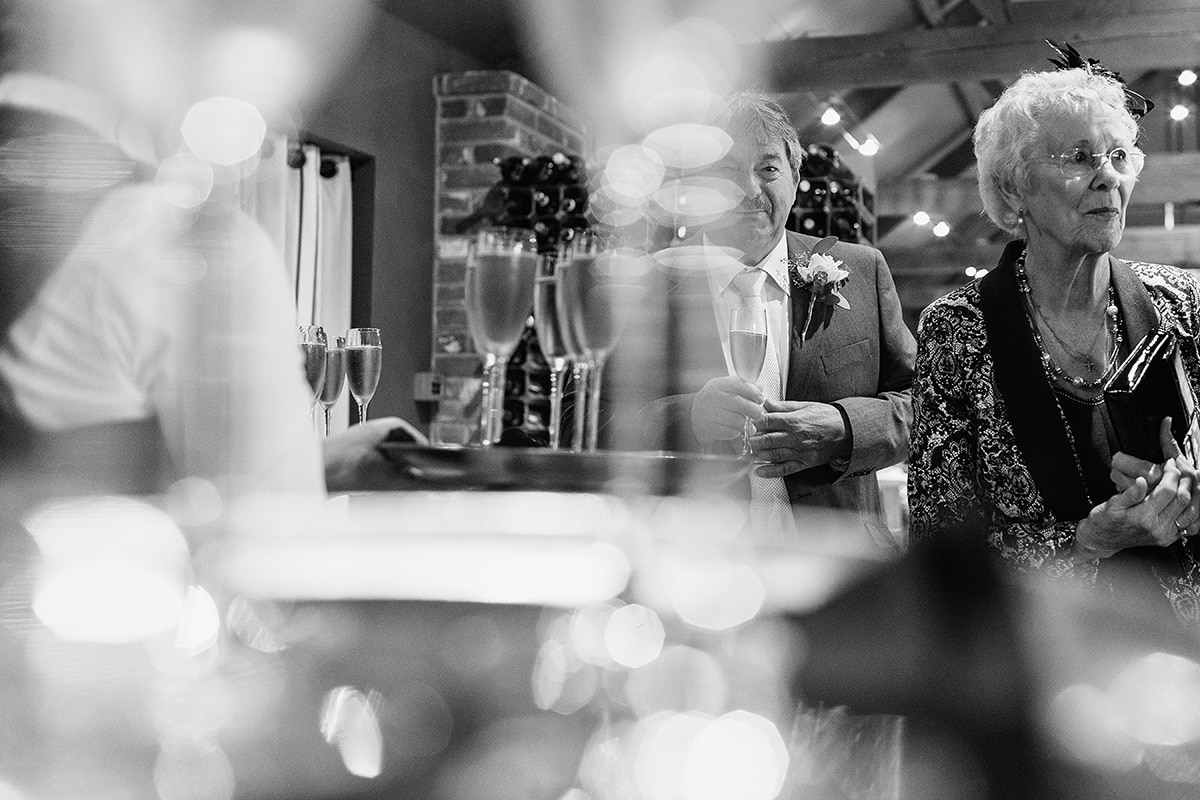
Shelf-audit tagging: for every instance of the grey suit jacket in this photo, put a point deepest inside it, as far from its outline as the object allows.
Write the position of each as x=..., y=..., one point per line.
x=861, y=361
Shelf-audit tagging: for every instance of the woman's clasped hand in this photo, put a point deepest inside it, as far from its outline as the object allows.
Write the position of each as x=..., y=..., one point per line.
x=1155, y=504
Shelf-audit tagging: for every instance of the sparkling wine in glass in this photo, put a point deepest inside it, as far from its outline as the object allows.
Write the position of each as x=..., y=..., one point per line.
x=748, y=349
x=312, y=345
x=335, y=377
x=550, y=339
x=501, y=271
x=591, y=290
x=364, y=359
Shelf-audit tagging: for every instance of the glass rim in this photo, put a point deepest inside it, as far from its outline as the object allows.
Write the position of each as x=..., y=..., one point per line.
x=1136, y=160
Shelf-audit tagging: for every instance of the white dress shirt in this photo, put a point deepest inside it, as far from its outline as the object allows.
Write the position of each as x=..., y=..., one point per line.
x=776, y=295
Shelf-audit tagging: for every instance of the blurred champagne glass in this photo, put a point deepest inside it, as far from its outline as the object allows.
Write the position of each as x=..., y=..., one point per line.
x=335, y=377
x=312, y=345
x=550, y=339
x=501, y=270
x=364, y=359
x=591, y=290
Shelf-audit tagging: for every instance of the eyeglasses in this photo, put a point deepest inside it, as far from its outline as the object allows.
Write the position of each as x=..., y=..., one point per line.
x=1076, y=162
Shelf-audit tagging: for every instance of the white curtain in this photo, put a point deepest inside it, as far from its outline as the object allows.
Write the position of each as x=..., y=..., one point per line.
x=307, y=210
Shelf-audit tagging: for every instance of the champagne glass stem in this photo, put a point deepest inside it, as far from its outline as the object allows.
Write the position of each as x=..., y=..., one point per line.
x=362, y=411
x=494, y=419
x=595, y=370
x=747, y=432
x=581, y=376
x=558, y=369
x=327, y=410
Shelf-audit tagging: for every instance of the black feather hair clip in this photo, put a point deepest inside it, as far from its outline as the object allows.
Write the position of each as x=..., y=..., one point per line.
x=1071, y=59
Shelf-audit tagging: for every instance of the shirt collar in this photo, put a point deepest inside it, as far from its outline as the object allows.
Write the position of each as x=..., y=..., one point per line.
x=37, y=92
x=775, y=265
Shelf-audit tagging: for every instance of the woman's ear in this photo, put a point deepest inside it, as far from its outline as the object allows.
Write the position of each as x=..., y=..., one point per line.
x=1014, y=200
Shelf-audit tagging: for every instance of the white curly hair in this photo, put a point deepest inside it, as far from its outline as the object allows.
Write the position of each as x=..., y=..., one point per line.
x=1008, y=132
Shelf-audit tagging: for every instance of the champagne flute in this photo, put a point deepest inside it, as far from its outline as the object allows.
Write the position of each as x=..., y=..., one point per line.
x=312, y=344
x=364, y=359
x=550, y=339
x=501, y=270
x=335, y=377
x=748, y=349
x=589, y=300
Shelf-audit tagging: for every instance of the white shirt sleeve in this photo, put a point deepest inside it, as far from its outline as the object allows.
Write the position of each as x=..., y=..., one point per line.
x=186, y=320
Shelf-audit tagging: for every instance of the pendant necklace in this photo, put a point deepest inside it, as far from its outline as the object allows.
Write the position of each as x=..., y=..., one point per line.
x=1113, y=339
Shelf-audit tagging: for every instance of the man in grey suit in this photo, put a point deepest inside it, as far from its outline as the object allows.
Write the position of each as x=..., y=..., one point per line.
x=843, y=364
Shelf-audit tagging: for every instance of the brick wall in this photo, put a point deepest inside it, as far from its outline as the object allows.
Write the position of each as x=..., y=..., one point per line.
x=481, y=116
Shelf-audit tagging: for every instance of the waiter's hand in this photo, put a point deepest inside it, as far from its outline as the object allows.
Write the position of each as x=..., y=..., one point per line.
x=796, y=435
x=353, y=461
x=720, y=409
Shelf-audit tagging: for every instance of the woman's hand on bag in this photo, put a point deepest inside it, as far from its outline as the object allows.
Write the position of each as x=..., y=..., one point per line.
x=1126, y=469
x=1140, y=515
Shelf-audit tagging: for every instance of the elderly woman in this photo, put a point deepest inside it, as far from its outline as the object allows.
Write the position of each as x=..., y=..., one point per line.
x=1011, y=437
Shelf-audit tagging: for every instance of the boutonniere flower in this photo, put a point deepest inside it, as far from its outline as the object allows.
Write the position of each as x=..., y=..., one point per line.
x=822, y=275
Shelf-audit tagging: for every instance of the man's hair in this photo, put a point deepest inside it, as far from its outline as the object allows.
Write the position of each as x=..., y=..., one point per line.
x=757, y=115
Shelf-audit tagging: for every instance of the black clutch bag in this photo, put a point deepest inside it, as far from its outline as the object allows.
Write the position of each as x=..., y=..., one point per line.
x=1148, y=386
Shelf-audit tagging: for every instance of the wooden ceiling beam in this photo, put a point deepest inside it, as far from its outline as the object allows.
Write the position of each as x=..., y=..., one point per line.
x=1160, y=39
x=1167, y=178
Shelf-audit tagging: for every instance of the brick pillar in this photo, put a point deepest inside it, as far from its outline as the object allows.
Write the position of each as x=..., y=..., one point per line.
x=481, y=116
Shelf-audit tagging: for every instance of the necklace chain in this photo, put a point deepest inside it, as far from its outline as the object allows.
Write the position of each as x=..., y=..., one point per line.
x=1053, y=370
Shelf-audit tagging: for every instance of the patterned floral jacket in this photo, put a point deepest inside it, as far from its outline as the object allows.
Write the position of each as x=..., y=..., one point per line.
x=989, y=442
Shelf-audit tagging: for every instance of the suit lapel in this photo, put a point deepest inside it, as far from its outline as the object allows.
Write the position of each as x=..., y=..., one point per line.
x=801, y=359
x=1033, y=410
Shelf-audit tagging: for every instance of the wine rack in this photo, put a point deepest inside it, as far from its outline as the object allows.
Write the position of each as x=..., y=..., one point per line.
x=831, y=200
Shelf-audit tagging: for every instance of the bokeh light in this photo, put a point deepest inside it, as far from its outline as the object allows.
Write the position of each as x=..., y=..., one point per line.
x=942, y=229
x=1158, y=699
x=350, y=723
x=200, y=622
x=739, y=756
x=1187, y=77
x=632, y=173
x=224, y=130
x=184, y=180
x=1179, y=112
x=112, y=569
x=259, y=65
x=1085, y=723
x=717, y=594
x=634, y=636
x=417, y=720
x=688, y=145
x=920, y=218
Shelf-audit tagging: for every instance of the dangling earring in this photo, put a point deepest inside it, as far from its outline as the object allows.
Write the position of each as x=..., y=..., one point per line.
x=1020, y=216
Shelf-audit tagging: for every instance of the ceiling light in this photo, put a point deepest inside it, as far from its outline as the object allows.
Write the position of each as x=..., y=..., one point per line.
x=1179, y=112
x=870, y=147
x=979, y=273
x=1187, y=77
x=970, y=272
x=920, y=218
x=831, y=116
x=941, y=229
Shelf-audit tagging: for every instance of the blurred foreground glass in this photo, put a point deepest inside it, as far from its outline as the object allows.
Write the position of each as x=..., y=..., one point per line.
x=501, y=270
x=364, y=359
x=312, y=344
x=590, y=292
x=550, y=339
x=335, y=377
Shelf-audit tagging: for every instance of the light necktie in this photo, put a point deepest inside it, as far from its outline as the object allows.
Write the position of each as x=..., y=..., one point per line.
x=770, y=510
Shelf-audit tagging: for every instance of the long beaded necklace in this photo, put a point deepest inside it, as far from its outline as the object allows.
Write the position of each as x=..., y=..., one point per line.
x=1112, y=326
